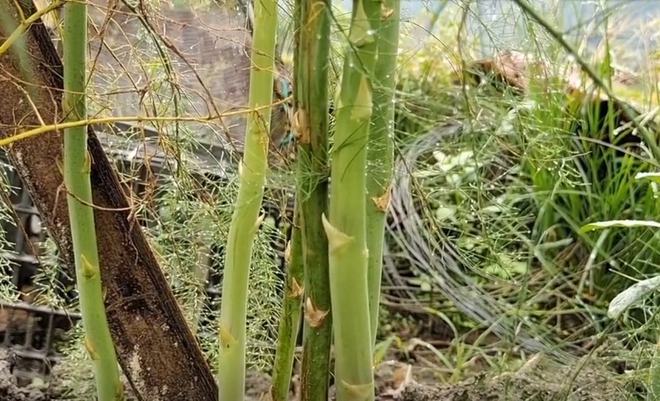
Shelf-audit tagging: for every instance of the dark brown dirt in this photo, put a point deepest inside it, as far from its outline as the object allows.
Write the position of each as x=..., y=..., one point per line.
x=542, y=382
x=538, y=380
x=9, y=389
x=503, y=388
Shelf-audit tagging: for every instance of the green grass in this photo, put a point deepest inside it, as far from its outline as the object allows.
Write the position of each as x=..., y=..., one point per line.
x=509, y=196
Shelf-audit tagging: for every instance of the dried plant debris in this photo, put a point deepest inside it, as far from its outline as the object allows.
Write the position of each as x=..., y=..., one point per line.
x=9, y=388
x=538, y=380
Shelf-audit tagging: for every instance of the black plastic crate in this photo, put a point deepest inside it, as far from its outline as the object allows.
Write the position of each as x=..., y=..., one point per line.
x=27, y=330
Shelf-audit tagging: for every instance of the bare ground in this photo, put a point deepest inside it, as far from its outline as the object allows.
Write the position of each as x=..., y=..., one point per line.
x=538, y=380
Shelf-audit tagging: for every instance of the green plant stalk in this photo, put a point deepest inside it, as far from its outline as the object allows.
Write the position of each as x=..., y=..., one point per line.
x=76, y=171
x=15, y=36
x=311, y=102
x=245, y=220
x=380, y=152
x=346, y=225
x=290, y=320
x=654, y=374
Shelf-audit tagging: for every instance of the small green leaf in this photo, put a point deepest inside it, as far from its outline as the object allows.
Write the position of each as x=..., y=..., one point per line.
x=445, y=213
x=381, y=348
x=506, y=267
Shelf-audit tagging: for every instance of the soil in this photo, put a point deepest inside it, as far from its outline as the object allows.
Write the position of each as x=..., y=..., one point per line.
x=538, y=380
x=9, y=389
x=503, y=388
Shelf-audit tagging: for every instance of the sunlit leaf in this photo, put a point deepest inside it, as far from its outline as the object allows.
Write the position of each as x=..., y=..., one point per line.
x=631, y=296
x=445, y=213
x=601, y=225
x=655, y=177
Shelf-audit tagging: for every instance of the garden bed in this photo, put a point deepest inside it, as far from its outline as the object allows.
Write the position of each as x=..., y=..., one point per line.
x=537, y=380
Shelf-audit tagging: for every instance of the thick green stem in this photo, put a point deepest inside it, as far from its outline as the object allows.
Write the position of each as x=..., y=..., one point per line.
x=290, y=320
x=311, y=125
x=245, y=220
x=347, y=224
x=380, y=152
x=76, y=170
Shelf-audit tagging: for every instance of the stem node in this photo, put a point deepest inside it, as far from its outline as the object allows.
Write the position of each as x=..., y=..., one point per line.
x=313, y=315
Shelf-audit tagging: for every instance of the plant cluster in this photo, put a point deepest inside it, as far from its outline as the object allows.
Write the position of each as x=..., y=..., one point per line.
x=510, y=213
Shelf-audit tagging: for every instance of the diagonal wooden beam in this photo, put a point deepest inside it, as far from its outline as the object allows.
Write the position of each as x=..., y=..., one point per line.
x=157, y=350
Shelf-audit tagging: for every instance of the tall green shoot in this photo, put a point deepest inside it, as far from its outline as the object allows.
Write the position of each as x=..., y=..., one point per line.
x=346, y=225
x=290, y=319
x=311, y=124
x=245, y=220
x=380, y=151
x=76, y=170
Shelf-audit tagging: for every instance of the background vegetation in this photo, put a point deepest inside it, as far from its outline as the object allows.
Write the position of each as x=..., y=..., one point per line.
x=487, y=260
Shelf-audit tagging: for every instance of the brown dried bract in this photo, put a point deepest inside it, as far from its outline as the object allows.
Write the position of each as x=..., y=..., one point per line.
x=301, y=126
x=383, y=202
x=295, y=289
x=314, y=316
x=385, y=12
